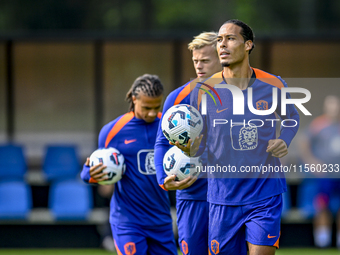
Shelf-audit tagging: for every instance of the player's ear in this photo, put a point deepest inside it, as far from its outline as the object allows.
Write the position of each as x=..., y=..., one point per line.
x=134, y=98
x=248, y=44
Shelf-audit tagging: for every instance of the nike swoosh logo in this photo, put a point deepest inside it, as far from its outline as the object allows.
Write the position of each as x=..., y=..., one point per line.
x=269, y=236
x=218, y=111
x=129, y=141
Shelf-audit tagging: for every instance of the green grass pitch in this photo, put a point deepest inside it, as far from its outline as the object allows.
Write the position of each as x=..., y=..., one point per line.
x=300, y=251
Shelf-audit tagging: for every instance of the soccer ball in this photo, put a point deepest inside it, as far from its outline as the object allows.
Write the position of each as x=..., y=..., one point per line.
x=182, y=122
x=114, y=162
x=177, y=163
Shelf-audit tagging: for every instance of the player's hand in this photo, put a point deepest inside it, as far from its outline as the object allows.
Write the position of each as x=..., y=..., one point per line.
x=171, y=184
x=277, y=147
x=96, y=172
x=190, y=148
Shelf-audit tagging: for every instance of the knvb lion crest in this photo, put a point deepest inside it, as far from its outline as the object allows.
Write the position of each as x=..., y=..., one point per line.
x=262, y=105
x=185, y=248
x=146, y=162
x=248, y=138
x=215, y=247
x=130, y=248
x=150, y=163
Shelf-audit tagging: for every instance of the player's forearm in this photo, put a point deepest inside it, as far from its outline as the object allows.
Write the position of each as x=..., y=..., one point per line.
x=160, y=150
x=85, y=173
x=289, y=132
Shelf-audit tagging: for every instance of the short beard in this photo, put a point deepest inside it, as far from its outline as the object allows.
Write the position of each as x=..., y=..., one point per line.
x=226, y=64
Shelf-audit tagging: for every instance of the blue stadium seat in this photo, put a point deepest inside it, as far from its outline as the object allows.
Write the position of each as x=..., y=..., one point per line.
x=61, y=162
x=12, y=162
x=15, y=200
x=70, y=200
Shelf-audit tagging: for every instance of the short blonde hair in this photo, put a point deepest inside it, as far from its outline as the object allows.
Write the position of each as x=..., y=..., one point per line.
x=203, y=39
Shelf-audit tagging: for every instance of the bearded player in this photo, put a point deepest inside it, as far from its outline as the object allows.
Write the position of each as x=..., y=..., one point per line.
x=245, y=208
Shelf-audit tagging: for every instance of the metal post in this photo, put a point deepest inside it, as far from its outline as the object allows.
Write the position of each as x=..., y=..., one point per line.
x=98, y=86
x=10, y=106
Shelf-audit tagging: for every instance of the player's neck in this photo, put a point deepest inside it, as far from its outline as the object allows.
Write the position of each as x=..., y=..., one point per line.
x=238, y=75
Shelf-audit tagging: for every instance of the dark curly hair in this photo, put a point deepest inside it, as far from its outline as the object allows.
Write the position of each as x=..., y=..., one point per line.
x=150, y=85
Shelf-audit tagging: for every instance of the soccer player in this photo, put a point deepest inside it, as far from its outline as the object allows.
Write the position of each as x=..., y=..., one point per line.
x=191, y=195
x=245, y=208
x=320, y=147
x=139, y=211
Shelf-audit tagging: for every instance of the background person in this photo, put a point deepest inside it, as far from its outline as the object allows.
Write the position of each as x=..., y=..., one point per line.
x=191, y=197
x=244, y=213
x=321, y=145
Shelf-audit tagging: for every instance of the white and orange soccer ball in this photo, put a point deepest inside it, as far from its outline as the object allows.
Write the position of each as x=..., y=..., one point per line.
x=182, y=122
x=177, y=163
x=114, y=162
